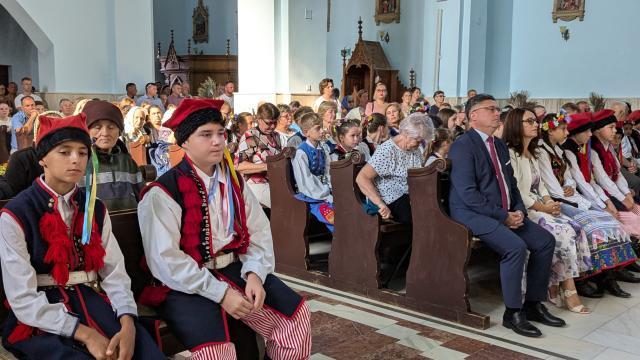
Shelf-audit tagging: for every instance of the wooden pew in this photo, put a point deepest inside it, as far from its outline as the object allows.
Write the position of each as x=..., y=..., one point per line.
x=138, y=153
x=437, y=279
x=126, y=230
x=3, y=309
x=291, y=223
x=4, y=153
x=357, y=234
x=175, y=154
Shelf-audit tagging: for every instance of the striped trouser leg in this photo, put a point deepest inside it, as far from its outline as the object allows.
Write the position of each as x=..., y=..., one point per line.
x=287, y=339
x=222, y=351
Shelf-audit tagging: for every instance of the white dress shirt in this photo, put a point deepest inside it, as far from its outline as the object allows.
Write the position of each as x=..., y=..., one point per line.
x=31, y=306
x=616, y=189
x=160, y=221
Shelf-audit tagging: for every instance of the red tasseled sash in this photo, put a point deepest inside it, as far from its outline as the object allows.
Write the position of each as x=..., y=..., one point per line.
x=608, y=159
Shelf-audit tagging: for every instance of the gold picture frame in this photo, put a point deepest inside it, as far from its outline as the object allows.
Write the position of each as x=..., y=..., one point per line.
x=387, y=11
x=200, y=23
x=568, y=10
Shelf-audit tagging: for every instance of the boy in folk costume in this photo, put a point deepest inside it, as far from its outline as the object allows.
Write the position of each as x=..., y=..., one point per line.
x=57, y=250
x=208, y=243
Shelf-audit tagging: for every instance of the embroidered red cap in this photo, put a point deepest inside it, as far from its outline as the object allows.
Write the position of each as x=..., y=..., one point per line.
x=579, y=122
x=189, y=106
x=49, y=125
x=603, y=118
x=634, y=116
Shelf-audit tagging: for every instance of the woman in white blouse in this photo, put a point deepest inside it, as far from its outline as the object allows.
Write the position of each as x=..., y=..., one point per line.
x=520, y=132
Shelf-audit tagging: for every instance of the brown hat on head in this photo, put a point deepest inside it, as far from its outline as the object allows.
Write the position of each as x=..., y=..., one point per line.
x=103, y=110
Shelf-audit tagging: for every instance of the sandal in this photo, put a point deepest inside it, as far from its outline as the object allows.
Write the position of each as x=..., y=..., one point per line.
x=557, y=301
x=580, y=309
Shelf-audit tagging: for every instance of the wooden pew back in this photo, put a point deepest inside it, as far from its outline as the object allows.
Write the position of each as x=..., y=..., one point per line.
x=138, y=153
x=288, y=217
x=175, y=154
x=437, y=271
x=4, y=153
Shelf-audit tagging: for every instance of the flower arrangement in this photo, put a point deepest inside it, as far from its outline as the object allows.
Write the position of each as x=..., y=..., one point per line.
x=554, y=123
x=421, y=107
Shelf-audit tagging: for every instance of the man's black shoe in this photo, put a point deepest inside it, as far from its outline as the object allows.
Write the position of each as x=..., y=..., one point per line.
x=519, y=324
x=588, y=291
x=538, y=312
x=626, y=276
x=614, y=289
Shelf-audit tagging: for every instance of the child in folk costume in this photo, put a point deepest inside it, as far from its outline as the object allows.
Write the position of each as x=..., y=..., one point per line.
x=208, y=243
x=311, y=170
x=349, y=138
x=57, y=250
x=580, y=157
x=609, y=244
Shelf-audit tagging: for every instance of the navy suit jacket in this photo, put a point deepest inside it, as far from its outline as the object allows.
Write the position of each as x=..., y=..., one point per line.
x=474, y=197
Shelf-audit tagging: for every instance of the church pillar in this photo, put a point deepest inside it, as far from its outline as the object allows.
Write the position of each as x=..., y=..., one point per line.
x=256, y=54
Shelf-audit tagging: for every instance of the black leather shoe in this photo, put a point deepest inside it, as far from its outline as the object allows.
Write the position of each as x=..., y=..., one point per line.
x=612, y=287
x=519, y=324
x=633, y=267
x=626, y=276
x=588, y=291
x=539, y=313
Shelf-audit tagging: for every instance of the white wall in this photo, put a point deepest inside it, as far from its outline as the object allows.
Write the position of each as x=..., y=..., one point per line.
x=18, y=51
x=498, y=51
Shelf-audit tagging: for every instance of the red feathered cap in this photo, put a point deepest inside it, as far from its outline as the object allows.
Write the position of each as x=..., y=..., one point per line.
x=189, y=106
x=634, y=116
x=603, y=118
x=579, y=122
x=49, y=125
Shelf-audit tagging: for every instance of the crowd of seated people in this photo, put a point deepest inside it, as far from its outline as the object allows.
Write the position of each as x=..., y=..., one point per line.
x=558, y=192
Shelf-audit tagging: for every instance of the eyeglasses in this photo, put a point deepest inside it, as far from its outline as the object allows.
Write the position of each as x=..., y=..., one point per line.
x=490, y=108
x=530, y=121
x=269, y=123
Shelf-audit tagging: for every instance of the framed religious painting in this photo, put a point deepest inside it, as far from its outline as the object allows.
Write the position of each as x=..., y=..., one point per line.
x=387, y=11
x=568, y=10
x=200, y=23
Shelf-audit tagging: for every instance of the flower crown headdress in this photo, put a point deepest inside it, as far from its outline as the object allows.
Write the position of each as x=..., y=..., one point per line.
x=556, y=121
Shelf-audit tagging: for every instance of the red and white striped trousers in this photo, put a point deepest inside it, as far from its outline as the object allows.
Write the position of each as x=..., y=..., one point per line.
x=287, y=339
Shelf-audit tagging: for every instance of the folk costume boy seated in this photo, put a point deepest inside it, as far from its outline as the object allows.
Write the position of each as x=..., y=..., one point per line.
x=208, y=244
x=311, y=170
x=57, y=250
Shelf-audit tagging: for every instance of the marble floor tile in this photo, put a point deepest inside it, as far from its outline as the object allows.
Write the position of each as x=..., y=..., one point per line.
x=419, y=342
x=615, y=341
x=580, y=349
x=466, y=345
x=611, y=354
x=578, y=325
x=628, y=323
x=493, y=352
x=358, y=346
x=360, y=316
x=442, y=353
x=397, y=331
x=394, y=351
x=315, y=305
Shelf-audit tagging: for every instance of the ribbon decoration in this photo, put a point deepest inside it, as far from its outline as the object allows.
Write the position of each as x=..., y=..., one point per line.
x=91, y=189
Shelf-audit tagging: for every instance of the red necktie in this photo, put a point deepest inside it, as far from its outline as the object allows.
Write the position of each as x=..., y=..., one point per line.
x=496, y=167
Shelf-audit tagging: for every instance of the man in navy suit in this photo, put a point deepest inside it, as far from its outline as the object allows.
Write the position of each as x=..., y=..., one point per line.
x=484, y=196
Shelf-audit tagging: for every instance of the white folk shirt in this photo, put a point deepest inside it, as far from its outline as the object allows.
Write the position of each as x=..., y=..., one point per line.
x=160, y=222
x=628, y=146
x=31, y=306
x=591, y=190
x=616, y=189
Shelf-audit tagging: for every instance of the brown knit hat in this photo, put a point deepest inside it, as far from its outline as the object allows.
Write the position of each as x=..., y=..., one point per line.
x=103, y=110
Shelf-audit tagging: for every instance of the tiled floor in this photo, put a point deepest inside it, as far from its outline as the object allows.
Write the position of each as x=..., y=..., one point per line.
x=612, y=331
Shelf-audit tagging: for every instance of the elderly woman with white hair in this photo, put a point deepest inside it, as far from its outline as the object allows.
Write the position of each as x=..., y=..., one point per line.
x=383, y=180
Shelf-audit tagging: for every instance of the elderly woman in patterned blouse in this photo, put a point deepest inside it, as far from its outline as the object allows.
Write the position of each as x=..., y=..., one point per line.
x=383, y=180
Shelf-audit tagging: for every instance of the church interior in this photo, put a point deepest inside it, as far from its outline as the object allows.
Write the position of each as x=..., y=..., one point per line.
x=376, y=287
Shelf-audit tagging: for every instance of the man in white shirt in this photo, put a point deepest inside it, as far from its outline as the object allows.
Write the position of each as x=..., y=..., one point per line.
x=227, y=95
x=27, y=90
